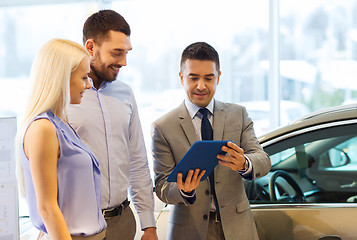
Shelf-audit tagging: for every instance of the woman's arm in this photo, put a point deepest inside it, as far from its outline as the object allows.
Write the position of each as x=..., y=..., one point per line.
x=42, y=149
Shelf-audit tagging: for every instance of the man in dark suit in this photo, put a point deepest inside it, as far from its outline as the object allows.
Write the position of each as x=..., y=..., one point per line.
x=202, y=210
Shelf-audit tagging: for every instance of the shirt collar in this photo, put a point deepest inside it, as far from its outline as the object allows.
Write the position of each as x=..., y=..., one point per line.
x=193, y=109
x=102, y=85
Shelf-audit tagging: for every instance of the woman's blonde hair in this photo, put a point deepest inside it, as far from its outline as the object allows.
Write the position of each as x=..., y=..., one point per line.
x=50, y=76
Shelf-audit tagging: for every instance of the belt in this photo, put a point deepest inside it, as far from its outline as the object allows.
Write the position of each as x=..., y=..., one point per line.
x=115, y=211
x=214, y=216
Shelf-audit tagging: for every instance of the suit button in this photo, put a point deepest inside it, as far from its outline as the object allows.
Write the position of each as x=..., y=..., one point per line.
x=205, y=217
x=207, y=192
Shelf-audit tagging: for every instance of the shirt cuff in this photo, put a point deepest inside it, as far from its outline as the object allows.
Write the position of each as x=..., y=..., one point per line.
x=247, y=173
x=146, y=219
x=190, y=198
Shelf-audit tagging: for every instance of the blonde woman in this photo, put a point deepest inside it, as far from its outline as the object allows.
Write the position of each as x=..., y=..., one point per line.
x=57, y=172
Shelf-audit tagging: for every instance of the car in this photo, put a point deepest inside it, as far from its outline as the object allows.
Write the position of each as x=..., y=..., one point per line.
x=310, y=192
x=258, y=111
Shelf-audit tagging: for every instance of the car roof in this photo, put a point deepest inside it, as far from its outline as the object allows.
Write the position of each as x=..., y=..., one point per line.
x=328, y=115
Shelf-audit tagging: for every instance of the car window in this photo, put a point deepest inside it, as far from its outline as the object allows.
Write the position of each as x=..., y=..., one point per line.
x=281, y=156
x=323, y=163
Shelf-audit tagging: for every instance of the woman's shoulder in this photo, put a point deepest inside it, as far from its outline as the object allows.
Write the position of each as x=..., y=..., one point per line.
x=41, y=127
x=41, y=136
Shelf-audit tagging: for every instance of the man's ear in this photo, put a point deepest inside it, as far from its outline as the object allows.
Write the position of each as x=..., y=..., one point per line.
x=181, y=78
x=219, y=76
x=89, y=45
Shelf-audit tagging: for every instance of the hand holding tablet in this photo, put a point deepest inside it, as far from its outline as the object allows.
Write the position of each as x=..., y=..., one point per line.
x=202, y=155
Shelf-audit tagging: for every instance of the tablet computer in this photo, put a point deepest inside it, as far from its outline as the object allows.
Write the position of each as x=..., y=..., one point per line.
x=202, y=155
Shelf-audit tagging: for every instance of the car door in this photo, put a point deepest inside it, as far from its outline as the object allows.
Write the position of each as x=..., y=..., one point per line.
x=322, y=161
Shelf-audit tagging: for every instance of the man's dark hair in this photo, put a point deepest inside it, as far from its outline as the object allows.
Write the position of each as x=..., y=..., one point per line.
x=200, y=51
x=98, y=25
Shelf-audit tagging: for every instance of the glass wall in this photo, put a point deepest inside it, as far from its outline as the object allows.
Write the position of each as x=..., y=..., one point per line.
x=23, y=30
x=160, y=31
x=319, y=52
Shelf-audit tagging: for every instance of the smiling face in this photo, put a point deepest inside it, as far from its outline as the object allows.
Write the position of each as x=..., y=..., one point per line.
x=79, y=81
x=108, y=56
x=199, y=79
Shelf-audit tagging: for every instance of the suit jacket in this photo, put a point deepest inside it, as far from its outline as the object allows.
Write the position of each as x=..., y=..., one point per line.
x=173, y=135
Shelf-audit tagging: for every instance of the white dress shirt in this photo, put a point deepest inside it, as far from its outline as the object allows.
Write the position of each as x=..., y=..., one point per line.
x=107, y=120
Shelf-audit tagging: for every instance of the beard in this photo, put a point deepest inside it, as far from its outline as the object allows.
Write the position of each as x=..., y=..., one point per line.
x=100, y=73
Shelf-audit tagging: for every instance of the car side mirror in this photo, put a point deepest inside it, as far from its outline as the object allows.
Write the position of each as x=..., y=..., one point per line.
x=338, y=157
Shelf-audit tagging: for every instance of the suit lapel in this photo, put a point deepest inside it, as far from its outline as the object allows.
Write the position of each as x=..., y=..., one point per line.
x=187, y=125
x=218, y=127
x=218, y=121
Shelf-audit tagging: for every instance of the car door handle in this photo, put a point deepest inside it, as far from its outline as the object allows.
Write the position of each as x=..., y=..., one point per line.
x=330, y=237
x=351, y=185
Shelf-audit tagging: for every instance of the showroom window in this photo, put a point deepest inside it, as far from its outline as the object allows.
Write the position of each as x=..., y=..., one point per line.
x=317, y=50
